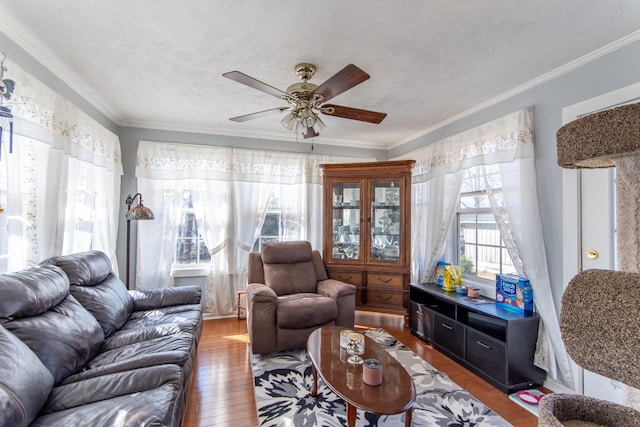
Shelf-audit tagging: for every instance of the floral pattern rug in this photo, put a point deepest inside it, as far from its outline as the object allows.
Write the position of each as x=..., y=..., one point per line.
x=282, y=383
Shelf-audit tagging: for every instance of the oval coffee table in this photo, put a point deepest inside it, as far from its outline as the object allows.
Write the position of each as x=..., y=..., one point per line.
x=395, y=395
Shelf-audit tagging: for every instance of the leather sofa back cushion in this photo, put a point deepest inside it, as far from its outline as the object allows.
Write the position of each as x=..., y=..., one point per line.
x=109, y=302
x=40, y=311
x=25, y=383
x=97, y=288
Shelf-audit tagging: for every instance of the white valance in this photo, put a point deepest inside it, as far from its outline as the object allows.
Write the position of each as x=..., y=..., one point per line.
x=500, y=141
x=163, y=160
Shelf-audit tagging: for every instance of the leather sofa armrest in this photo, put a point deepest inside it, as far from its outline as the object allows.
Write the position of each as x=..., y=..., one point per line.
x=165, y=297
x=335, y=289
x=262, y=306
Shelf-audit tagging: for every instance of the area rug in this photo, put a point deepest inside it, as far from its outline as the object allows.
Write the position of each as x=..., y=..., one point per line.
x=282, y=383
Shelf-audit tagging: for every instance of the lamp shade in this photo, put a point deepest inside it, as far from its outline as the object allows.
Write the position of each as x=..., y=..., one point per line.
x=138, y=213
x=593, y=140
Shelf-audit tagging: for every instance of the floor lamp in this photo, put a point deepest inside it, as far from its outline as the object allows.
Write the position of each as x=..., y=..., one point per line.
x=136, y=213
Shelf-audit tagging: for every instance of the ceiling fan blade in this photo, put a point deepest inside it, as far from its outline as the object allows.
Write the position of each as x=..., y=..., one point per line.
x=355, y=113
x=340, y=82
x=256, y=84
x=259, y=114
x=310, y=133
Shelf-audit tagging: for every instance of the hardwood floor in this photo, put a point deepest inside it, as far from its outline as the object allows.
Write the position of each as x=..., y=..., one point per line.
x=222, y=390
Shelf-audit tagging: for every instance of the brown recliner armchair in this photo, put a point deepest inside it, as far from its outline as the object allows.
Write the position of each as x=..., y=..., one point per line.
x=289, y=295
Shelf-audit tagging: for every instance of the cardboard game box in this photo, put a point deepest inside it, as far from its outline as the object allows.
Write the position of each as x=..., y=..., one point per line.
x=514, y=293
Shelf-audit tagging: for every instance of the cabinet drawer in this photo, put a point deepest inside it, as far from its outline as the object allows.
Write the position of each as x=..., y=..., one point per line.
x=394, y=299
x=393, y=281
x=352, y=277
x=487, y=354
x=449, y=334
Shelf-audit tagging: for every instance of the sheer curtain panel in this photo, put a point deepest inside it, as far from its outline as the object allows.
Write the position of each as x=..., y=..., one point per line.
x=60, y=187
x=507, y=142
x=230, y=188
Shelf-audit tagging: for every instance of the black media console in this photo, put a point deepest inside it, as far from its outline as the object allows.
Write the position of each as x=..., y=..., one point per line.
x=494, y=343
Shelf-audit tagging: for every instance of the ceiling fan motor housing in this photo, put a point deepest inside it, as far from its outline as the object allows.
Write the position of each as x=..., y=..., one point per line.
x=305, y=71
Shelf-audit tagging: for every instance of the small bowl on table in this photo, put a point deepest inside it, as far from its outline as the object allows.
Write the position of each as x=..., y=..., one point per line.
x=462, y=290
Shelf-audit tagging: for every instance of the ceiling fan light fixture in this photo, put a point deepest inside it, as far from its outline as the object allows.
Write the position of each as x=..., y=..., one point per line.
x=318, y=125
x=308, y=118
x=289, y=121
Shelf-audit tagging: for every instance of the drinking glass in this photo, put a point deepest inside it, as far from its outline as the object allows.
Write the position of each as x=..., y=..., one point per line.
x=355, y=347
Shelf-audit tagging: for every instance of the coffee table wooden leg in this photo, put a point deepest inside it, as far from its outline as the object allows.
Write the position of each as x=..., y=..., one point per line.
x=351, y=415
x=314, y=390
x=407, y=418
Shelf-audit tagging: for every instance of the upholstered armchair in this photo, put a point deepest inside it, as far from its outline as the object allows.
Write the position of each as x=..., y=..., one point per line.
x=289, y=295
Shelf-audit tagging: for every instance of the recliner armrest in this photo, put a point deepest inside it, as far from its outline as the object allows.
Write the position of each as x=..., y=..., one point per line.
x=165, y=297
x=335, y=289
x=259, y=292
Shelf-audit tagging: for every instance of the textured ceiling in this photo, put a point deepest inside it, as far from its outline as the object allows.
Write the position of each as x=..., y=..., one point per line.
x=159, y=63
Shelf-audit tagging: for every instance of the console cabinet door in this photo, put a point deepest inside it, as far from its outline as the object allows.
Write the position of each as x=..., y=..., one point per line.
x=487, y=354
x=449, y=334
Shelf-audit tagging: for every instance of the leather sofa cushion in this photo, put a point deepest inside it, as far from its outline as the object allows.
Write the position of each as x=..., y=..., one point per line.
x=52, y=323
x=25, y=382
x=175, y=349
x=31, y=292
x=97, y=288
x=140, y=397
x=305, y=310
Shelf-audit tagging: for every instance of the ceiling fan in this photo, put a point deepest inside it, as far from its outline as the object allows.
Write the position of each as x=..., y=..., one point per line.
x=306, y=99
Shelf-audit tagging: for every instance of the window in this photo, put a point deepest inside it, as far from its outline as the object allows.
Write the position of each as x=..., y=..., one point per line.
x=190, y=247
x=280, y=223
x=481, y=250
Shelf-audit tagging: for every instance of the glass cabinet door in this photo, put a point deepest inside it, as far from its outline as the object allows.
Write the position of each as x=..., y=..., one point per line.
x=385, y=220
x=346, y=220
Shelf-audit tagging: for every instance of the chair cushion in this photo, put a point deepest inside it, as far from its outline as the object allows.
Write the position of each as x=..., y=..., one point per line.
x=286, y=252
x=305, y=310
x=287, y=279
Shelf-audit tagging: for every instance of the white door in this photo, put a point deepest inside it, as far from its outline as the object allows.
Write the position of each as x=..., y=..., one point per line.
x=589, y=220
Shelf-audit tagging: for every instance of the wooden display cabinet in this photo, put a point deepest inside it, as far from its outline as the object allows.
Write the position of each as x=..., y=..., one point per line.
x=367, y=231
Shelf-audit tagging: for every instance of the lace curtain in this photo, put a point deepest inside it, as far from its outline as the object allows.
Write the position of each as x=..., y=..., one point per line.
x=60, y=187
x=230, y=189
x=437, y=178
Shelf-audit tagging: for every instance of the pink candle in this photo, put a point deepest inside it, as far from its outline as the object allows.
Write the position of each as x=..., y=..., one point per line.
x=372, y=372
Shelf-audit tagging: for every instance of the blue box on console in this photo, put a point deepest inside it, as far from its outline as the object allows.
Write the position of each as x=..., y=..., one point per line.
x=514, y=293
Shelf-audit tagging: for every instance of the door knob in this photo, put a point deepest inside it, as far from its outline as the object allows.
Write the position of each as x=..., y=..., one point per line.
x=591, y=253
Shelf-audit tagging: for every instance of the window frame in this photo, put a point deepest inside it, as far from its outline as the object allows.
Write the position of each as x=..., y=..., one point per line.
x=486, y=285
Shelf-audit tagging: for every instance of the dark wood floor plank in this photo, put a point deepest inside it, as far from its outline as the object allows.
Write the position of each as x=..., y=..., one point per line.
x=222, y=388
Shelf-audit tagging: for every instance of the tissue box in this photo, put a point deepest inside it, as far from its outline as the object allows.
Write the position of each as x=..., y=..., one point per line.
x=514, y=293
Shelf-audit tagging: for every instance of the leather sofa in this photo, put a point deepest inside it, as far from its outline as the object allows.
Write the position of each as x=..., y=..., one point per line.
x=289, y=295
x=78, y=349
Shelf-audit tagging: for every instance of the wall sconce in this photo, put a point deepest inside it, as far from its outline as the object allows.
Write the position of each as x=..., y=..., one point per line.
x=136, y=213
